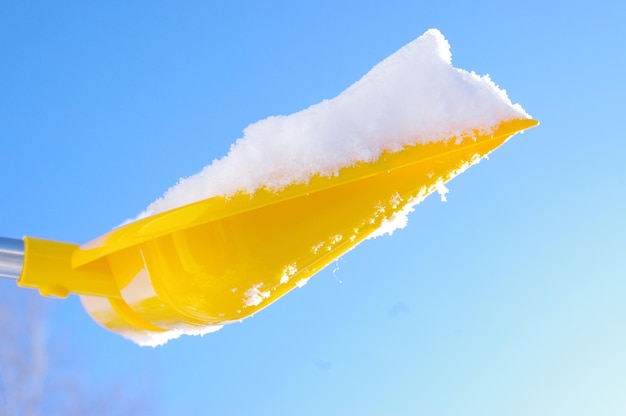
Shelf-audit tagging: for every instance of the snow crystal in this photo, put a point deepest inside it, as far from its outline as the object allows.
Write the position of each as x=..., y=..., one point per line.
x=254, y=296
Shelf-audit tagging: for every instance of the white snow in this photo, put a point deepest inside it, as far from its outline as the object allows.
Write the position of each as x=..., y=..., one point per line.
x=413, y=96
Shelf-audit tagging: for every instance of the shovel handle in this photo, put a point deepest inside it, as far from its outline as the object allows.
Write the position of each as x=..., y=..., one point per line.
x=11, y=257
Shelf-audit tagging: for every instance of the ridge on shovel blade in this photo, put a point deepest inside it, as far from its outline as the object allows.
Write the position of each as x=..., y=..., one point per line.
x=217, y=261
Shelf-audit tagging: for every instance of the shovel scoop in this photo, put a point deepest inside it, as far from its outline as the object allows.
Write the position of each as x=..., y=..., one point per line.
x=194, y=268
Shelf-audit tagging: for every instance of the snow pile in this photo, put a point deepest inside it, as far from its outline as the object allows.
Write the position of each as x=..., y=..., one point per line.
x=415, y=95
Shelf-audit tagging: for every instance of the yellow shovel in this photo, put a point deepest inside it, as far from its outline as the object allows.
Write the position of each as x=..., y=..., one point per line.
x=217, y=261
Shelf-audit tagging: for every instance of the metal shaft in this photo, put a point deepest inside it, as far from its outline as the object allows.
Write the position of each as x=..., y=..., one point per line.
x=11, y=257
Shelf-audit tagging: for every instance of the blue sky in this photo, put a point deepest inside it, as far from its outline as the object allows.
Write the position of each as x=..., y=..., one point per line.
x=507, y=299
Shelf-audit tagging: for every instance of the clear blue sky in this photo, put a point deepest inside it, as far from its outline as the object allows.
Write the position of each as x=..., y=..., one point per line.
x=506, y=300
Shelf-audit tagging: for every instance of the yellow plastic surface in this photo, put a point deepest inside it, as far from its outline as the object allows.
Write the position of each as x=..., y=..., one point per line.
x=222, y=259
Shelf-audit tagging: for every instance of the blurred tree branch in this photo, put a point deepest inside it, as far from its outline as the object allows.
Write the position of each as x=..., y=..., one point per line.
x=33, y=381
